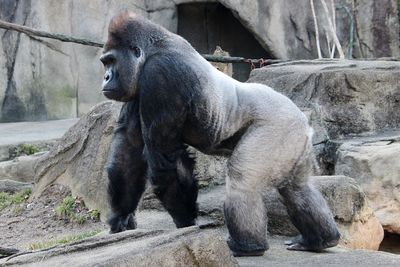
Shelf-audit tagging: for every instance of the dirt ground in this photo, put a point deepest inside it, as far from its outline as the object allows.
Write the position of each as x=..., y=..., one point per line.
x=36, y=221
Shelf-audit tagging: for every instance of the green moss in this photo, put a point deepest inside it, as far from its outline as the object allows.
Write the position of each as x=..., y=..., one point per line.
x=64, y=240
x=18, y=198
x=26, y=149
x=94, y=215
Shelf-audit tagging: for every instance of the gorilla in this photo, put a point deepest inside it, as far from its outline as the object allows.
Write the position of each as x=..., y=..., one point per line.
x=174, y=98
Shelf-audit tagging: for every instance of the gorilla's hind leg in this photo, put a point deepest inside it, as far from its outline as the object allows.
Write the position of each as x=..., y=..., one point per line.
x=310, y=214
x=246, y=219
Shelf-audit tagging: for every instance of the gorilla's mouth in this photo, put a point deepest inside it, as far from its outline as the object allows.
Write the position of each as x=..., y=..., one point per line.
x=111, y=94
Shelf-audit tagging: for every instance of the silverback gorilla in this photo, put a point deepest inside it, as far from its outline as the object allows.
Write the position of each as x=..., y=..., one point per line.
x=174, y=98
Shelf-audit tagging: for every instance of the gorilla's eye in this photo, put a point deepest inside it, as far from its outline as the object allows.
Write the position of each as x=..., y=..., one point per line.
x=136, y=50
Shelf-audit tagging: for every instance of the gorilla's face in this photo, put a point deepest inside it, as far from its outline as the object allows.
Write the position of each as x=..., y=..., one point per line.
x=122, y=63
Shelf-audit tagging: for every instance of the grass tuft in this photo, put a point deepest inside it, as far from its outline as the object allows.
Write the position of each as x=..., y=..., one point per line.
x=74, y=210
x=7, y=199
x=63, y=240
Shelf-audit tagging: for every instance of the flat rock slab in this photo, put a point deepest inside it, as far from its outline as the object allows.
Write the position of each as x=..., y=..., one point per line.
x=183, y=247
x=278, y=256
x=11, y=186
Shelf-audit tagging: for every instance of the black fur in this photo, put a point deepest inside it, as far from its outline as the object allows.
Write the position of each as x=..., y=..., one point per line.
x=165, y=99
x=307, y=210
x=126, y=169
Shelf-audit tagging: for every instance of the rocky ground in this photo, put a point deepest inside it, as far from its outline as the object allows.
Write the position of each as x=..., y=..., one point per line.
x=158, y=243
x=25, y=225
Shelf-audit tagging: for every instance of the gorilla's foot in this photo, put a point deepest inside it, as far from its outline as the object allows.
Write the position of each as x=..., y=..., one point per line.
x=299, y=244
x=297, y=239
x=248, y=250
x=120, y=223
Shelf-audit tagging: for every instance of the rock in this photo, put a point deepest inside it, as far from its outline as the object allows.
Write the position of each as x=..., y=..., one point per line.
x=19, y=169
x=375, y=165
x=184, y=247
x=342, y=98
x=279, y=256
x=44, y=79
x=357, y=224
x=77, y=160
x=348, y=97
x=11, y=186
x=209, y=170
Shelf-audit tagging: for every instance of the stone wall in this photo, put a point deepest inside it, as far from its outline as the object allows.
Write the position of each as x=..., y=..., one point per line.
x=43, y=79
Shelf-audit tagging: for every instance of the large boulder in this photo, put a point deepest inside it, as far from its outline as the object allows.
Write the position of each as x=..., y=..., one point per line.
x=19, y=169
x=358, y=226
x=341, y=98
x=184, y=247
x=11, y=186
x=77, y=160
x=347, y=97
x=375, y=164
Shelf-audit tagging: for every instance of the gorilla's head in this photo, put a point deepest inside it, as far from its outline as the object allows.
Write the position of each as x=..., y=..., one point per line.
x=130, y=40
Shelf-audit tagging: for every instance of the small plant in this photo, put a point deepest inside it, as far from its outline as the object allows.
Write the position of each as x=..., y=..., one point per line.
x=64, y=240
x=94, y=215
x=74, y=210
x=7, y=199
x=26, y=149
x=66, y=208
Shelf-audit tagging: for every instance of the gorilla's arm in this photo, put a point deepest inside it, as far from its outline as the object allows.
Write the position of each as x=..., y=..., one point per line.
x=126, y=169
x=164, y=106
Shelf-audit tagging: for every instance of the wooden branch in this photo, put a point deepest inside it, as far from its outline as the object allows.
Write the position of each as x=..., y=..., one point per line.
x=57, y=36
x=225, y=59
x=332, y=52
x=333, y=32
x=316, y=29
x=64, y=38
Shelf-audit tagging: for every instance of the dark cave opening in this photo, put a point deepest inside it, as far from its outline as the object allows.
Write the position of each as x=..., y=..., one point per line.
x=207, y=25
x=390, y=243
